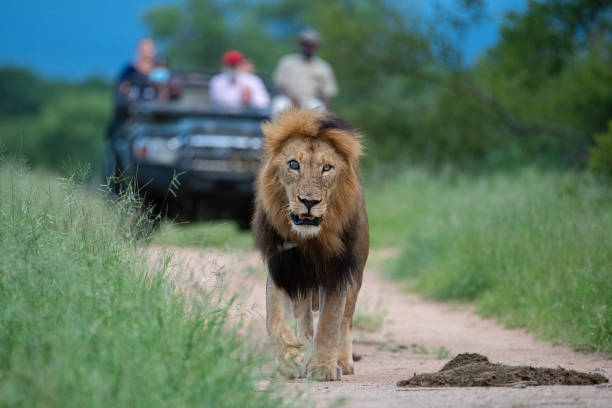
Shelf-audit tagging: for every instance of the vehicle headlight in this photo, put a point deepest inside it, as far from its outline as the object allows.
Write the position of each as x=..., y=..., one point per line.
x=157, y=150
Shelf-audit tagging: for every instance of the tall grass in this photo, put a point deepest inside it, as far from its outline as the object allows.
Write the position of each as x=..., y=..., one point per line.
x=219, y=234
x=532, y=248
x=86, y=320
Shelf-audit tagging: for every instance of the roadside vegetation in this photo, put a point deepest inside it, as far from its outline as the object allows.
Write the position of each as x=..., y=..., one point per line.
x=56, y=126
x=87, y=320
x=368, y=316
x=530, y=247
x=489, y=178
x=222, y=234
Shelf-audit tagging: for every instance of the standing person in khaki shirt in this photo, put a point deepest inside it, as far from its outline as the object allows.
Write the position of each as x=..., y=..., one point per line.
x=304, y=79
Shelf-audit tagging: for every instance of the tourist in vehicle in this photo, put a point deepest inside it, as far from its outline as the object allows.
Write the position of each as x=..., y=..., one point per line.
x=160, y=78
x=133, y=83
x=247, y=66
x=304, y=79
x=236, y=88
x=167, y=86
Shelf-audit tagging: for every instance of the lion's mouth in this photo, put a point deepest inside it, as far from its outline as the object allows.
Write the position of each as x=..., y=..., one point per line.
x=306, y=219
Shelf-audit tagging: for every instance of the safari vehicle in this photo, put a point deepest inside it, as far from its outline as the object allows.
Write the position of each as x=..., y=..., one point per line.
x=212, y=151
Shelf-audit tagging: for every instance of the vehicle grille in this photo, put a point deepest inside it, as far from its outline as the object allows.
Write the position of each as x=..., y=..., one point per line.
x=225, y=166
x=222, y=154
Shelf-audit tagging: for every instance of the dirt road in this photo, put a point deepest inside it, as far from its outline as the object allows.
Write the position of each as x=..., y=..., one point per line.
x=417, y=335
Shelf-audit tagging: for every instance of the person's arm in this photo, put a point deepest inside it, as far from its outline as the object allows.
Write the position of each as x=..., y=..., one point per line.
x=121, y=91
x=216, y=91
x=328, y=88
x=175, y=87
x=260, y=97
x=281, y=74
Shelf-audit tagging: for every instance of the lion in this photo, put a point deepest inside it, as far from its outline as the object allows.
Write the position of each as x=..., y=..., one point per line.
x=311, y=226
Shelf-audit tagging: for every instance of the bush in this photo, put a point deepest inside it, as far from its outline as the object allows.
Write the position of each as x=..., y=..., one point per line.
x=67, y=133
x=600, y=155
x=531, y=248
x=87, y=320
x=23, y=93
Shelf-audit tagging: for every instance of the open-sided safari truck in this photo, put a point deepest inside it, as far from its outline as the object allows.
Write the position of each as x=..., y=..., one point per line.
x=212, y=151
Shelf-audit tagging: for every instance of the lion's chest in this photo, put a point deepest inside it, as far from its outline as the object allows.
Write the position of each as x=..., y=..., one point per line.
x=299, y=271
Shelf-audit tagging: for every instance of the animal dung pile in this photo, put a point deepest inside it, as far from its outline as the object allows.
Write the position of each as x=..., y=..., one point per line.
x=475, y=370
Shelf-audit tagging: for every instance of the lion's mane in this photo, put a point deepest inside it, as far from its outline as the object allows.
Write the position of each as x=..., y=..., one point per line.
x=331, y=259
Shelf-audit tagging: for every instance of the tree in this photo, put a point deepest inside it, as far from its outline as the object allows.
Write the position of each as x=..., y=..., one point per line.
x=544, y=89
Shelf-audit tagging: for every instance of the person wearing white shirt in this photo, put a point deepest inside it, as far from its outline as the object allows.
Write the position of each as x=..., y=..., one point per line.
x=235, y=88
x=305, y=77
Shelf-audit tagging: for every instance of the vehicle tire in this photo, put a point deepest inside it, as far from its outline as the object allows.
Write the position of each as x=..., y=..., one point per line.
x=244, y=222
x=113, y=173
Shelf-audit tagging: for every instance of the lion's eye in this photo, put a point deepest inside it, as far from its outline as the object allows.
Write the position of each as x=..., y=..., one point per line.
x=327, y=167
x=294, y=165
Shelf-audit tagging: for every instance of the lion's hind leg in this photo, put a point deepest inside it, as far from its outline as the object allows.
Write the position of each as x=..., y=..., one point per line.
x=302, y=309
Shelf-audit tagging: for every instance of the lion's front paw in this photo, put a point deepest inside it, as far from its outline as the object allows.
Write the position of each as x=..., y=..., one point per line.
x=327, y=372
x=290, y=370
x=291, y=363
x=347, y=366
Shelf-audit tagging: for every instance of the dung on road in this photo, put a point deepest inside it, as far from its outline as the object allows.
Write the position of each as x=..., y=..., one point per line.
x=475, y=370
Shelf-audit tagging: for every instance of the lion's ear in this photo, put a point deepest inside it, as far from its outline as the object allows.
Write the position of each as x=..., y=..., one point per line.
x=345, y=138
x=274, y=136
x=290, y=122
x=269, y=129
x=348, y=143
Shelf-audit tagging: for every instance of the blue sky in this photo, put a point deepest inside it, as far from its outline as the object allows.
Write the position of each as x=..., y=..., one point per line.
x=74, y=39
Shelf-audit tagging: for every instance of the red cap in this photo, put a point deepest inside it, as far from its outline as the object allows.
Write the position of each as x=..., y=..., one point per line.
x=232, y=57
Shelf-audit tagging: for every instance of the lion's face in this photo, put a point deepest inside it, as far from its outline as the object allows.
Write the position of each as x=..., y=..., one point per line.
x=308, y=185
x=308, y=170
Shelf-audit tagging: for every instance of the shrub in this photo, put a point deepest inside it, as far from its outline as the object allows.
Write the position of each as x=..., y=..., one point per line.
x=87, y=320
x=600, y=155
x=529, y=247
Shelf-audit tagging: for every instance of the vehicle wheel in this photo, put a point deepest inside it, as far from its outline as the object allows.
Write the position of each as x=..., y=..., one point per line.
x=244, y=222
x=112, y=172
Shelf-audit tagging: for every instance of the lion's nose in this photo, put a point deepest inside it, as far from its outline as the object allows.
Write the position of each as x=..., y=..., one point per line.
x=309, y=203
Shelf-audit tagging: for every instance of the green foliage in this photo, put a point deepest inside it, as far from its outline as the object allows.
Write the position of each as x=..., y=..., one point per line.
x=442, y=353
x=163, y=21
x=551, y=69
x=66, y=132
x=196, y=33
x=531, y=247
x=547, y=36
x=600, y=157
x=204, y=235
x=87, y=320
x=22, y=92
x=369, y=317
x=538, y=95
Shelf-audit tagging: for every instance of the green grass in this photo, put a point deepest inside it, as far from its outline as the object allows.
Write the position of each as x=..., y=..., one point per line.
x=369, y=317
x=442, y=353
x=531, y=248
x=87, y=321
x=223, y=234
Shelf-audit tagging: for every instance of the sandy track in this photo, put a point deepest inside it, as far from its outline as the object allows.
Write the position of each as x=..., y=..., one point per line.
x=413, y=331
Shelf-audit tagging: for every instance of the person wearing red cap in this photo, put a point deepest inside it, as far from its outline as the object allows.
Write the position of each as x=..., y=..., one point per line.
x=236, y=88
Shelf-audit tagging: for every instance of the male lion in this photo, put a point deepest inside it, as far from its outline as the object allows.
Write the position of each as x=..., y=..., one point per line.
x=311, y=226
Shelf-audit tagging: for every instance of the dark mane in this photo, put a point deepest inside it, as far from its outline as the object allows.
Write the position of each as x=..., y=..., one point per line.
x=299, y=271
x=331, y=121
x=337, y=255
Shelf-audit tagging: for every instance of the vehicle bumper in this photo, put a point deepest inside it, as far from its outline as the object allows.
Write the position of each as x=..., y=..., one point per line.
x=157, y=180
